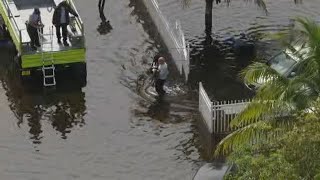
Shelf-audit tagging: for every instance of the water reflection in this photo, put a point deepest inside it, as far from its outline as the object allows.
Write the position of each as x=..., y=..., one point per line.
x=104, y=27
x=217, y=64
x=139, y=11
x=159, y=110
x=64, y=107
x=165, y=120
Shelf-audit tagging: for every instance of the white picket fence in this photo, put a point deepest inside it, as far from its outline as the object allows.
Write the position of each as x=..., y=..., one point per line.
x=172, y=35
x=206, y=108
x=224, y=112
x=218, y=115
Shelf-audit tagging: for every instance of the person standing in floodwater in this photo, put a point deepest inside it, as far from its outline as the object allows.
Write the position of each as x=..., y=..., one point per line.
x=163, y=72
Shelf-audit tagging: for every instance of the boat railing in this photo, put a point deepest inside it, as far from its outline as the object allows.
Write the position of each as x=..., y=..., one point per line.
x=16, y=30
x=78, y=19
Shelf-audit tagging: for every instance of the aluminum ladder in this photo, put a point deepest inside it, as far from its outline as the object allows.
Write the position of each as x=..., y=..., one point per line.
x=48, y=68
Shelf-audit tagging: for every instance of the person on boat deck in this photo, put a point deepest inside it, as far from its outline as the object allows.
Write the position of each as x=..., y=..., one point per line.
x=163, y=72
x=61, y=20
x=33, y=25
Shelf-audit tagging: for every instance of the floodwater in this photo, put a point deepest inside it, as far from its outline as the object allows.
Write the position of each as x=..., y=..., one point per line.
x=106, y=130
x=212, y=62
x=110, y=129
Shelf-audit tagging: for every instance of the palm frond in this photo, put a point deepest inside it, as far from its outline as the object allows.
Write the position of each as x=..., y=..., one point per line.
x=273, y=89
x=258, y=71
x=241, y=136
x=311, y=30
x=273, y=110
x=251, y=114
x=265, y=131
x=260, y=110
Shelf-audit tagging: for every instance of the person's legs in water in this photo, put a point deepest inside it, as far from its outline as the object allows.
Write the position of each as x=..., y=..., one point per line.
x=58, y=34
x=65, y=34
x=159, y=87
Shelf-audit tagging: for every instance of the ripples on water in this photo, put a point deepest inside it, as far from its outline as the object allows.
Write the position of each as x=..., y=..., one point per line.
x=108, y=130
x=211, y=63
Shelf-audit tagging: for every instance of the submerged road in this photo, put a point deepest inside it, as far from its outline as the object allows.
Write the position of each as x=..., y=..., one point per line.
x=107, y=130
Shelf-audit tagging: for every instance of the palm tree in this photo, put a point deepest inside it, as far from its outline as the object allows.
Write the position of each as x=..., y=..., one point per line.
x=280, y=97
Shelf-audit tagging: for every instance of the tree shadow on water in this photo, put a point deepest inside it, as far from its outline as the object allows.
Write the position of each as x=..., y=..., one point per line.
x=159, y=110
x=217, y=65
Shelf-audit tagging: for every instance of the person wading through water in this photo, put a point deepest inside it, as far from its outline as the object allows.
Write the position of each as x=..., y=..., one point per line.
x=33, y=24
x=61, y=20
x=161, y=73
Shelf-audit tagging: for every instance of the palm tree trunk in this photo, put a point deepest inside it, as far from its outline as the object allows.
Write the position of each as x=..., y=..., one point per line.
x=208, y=16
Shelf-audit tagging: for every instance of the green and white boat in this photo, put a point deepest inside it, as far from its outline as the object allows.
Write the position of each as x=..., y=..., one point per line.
x=51, y=56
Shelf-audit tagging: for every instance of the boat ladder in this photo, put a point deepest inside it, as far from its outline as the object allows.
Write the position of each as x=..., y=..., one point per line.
x=48, y=68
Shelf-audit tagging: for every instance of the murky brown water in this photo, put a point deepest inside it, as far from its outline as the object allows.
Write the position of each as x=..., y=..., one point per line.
x=211, y=63
x=108, y=130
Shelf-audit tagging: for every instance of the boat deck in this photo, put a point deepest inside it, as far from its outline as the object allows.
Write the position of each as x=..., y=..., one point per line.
x=46, y=19
x=17, y=12
x=22, y=15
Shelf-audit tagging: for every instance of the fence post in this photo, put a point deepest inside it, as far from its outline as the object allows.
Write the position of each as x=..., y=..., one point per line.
x=214, y=117
x=211, y=118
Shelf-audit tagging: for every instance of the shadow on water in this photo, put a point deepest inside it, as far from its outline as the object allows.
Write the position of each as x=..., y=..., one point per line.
x=217, y=64
x=178, y=109
x=63, y=107
x=104, y=27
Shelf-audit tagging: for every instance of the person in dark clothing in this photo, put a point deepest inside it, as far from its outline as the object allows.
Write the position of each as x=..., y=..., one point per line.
x=154, y=65
x=61, y=19
x=33, y=25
